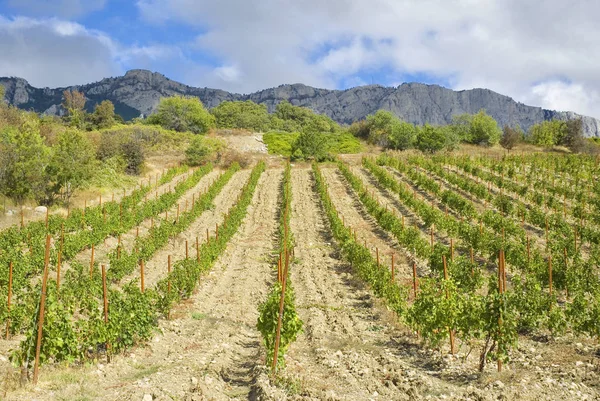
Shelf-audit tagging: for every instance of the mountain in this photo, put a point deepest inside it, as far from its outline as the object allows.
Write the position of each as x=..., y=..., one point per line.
x=138, y=92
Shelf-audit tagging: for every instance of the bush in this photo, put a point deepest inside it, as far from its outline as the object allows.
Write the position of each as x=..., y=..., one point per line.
x=430, y=139
x=311, y=144
x=134, y=156
x=247, y=115
x=182, y=114
x=203, y=150
x=280, y=143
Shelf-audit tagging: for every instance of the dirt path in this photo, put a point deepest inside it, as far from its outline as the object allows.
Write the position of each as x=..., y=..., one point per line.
x=356, y=216
x=157, y=266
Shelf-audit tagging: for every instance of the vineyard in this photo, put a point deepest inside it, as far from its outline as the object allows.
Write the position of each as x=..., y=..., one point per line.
x=392, y=276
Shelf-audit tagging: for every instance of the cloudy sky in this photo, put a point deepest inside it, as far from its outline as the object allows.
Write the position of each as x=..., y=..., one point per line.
x=540, y=53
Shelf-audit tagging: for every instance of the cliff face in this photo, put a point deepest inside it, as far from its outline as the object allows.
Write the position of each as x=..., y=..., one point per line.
x=138, y=92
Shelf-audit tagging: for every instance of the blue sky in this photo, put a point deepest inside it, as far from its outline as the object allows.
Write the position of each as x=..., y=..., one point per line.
x=508, y=46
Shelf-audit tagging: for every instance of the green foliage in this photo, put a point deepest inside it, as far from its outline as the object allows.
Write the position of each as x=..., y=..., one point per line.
x=547, y=133
x=291, y=324
x=202, y=150
x=24, y=159
x=310, y=144
x=290, y=118
x=280, y=143
x=72, y=162
x=104, y=115
x=402, y=135
x=380, y=125
x=133, y=153
x=430, y=139
x=182, y=114
x=484, y=129
x=246, y=115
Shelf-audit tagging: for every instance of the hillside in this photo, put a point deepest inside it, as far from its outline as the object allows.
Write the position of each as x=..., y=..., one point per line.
x=138, y=92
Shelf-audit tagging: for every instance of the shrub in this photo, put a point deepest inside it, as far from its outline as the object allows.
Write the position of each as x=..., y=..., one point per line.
x=182, y=114
x=203, y=150
x=134, y=156
x=430, y=139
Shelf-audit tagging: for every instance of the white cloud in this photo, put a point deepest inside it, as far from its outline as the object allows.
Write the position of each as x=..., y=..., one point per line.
x=559, y=95
x=57, y=8
x=52, y=52
x=510, y=46
x=58, y=53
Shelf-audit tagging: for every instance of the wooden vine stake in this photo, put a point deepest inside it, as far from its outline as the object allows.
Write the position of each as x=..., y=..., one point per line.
x=142, y=275
x=546, y=232
x=432, y=236
x=377, y=255
x=566, y=271
x=414, y=268
x=186, y=249
x=40, y=327
x=197, y=250
x=500, y=291
x=105, y=296
x=92, y=262
x=58, y=262
x=448, y=296
x=550, y=274
x=10, y=274
x=280, y=317
x=169, y=284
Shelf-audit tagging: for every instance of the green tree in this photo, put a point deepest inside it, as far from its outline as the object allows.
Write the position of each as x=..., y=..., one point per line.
x=247, y=115
x=290, y=118
x=547, y=133
x=484, y=129
x=380, y=126
x=402, y=135
x=461, y=127
x=24, y=158
x=104, y=114
x=182, y=114
x=430, y=139
x=72, y=162
x=310, y=144
x=573, y=135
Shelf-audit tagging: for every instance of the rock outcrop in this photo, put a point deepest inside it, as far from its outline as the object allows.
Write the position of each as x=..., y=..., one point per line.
x=139, y=91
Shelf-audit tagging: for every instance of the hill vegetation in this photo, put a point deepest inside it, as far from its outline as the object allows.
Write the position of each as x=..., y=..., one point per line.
x=48, y=158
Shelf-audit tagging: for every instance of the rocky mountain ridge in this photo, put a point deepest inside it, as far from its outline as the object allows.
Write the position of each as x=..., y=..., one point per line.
x=139, y=91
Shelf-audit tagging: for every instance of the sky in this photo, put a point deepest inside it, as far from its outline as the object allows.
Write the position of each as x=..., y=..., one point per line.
x=539, y=53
